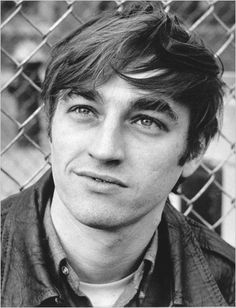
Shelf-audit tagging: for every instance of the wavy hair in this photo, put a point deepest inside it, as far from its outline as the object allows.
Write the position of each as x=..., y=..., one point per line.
x=142, y=37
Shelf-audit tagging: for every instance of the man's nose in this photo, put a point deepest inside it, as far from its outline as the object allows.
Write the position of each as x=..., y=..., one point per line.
x=107, y=143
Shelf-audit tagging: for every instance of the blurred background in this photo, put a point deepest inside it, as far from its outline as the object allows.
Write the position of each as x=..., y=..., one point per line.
x=28, y=31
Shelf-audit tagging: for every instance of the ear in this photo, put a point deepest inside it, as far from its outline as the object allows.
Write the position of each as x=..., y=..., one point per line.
x=191, y=166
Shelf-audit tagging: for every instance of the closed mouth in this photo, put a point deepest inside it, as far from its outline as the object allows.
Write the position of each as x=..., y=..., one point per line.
x=102, y=178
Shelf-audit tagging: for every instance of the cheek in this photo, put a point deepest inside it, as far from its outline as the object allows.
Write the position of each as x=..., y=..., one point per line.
x=158, y=155
x=159, y=164
x=66, y=142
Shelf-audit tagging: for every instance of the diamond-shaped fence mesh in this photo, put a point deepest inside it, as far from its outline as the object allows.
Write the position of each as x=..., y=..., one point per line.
x=28, y=31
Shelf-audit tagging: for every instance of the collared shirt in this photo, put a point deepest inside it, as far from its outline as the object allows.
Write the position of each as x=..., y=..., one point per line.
x=71, y=282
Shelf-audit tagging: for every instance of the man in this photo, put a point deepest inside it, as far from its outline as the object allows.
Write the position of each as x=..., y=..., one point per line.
x=132, y=101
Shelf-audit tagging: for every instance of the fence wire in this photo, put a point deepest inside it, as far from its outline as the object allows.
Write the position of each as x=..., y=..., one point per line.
x=28, y=33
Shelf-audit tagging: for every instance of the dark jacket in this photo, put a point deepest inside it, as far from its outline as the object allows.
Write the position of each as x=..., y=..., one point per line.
x=192, y=261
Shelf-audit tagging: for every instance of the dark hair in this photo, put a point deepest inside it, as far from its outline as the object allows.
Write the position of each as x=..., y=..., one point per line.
x=142, y=37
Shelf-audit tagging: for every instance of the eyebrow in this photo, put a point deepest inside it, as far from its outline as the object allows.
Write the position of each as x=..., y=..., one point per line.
x=91, y=95
x=159, y=105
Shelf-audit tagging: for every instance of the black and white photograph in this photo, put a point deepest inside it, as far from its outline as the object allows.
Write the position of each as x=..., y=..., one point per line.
x=118, y=153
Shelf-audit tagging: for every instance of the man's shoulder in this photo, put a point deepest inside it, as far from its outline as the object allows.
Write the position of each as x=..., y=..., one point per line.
x=203, y=252
x=7, y=203
x=220, y=257
x=11, y=207
x=15, y=202
x=210, y=242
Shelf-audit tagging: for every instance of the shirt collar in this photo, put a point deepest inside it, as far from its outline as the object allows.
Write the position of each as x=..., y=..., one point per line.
x=56, y=250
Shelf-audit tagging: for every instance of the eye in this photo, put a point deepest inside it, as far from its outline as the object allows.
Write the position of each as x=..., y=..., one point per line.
x=83, y=111
x=148, y=123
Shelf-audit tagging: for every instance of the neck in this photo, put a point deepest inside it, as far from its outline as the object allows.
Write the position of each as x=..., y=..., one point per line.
x=101, y=256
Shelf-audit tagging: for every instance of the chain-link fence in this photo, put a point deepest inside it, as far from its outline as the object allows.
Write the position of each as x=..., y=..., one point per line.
x=30, y=28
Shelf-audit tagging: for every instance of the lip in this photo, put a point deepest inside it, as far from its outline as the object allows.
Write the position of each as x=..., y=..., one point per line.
x=102, y=179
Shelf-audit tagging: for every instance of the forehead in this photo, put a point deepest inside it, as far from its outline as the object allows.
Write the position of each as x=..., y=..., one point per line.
x=120, y=87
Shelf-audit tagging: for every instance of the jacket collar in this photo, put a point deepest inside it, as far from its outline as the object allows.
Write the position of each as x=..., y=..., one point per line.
x=25, y=259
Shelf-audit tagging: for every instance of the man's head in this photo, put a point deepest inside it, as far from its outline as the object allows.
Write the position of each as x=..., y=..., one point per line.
x=132, y=101
x=141, y=38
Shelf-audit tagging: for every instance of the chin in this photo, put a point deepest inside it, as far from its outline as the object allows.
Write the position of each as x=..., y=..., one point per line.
x=101, y=221
x=101, y=224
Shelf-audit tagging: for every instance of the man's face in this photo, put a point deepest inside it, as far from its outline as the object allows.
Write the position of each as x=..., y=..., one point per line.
x=115, y=153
